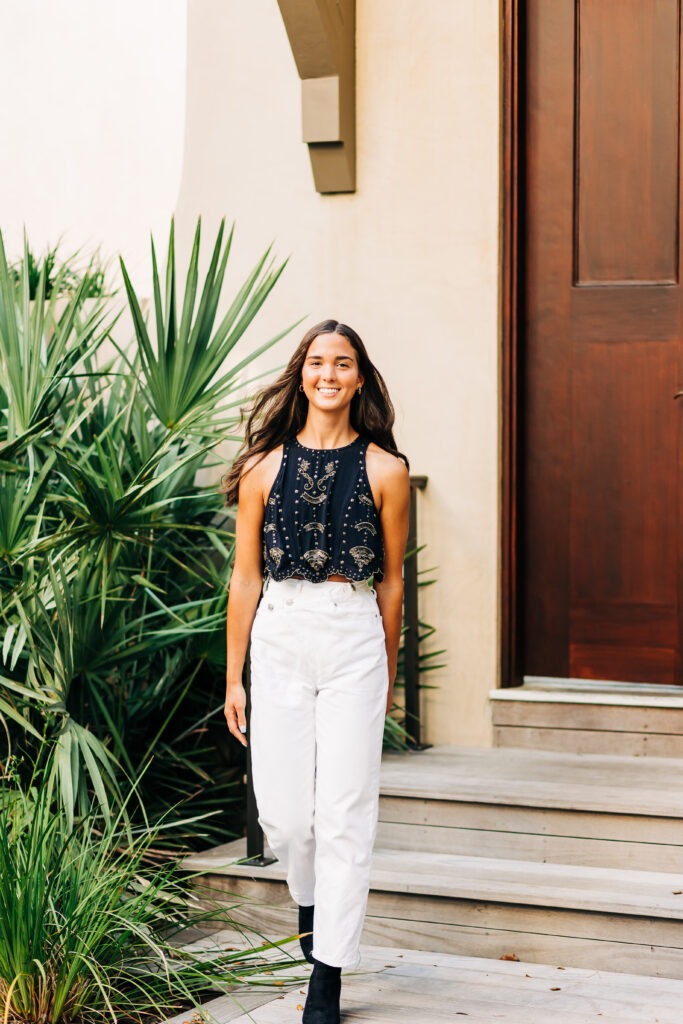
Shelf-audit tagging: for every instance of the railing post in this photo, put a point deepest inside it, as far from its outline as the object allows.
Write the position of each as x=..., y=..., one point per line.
x=255, y=846
x=411, y=658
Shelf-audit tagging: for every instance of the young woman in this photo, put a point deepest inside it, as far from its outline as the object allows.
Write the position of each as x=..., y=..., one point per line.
x=323, y=497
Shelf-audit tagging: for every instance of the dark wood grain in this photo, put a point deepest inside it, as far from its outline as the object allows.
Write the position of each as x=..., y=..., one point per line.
x=512, y=128
x=601, y=347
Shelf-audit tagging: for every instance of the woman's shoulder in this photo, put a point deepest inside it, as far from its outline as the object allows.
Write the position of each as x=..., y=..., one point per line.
x=386, y=461
x=263, y=459
x=261, y=470
x=386, y=471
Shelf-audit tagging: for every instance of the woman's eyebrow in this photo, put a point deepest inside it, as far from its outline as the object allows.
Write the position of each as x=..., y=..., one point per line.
x=336, y=357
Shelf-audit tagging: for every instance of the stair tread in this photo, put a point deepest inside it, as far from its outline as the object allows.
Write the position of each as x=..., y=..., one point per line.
x=571, y=886
x=392, y=980
x=606, y=783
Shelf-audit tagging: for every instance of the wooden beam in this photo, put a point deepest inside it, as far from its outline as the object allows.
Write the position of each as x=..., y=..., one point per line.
x=322, y=37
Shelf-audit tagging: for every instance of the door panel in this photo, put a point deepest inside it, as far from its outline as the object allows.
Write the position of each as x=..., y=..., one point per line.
x=601, y=340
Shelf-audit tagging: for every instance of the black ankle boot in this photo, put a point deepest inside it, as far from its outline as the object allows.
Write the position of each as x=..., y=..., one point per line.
x=306, y=925
x=324, y=989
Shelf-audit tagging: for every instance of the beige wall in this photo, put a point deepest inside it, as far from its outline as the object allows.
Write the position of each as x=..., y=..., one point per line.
x=91, y=125
x=410, y=260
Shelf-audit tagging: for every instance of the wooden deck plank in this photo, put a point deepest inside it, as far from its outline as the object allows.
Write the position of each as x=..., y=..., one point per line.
x=399, y=985
x=542, y=778
x=528, y=845
x=546, y=821
x=575, y=886
x=608, y=696
x=487, y=928
x=589, y=741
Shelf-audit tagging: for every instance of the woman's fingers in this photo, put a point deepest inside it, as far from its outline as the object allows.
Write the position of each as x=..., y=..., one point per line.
x=235, y=705
x=233, y=726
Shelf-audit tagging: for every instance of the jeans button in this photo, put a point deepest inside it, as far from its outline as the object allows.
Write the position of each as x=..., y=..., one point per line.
x=270, y=606
x=290, y=600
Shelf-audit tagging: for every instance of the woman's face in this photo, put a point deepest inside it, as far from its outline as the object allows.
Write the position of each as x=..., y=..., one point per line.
x=330, y=372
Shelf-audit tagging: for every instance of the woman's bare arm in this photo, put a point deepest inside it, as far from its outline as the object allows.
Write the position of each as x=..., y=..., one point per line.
x=393, y=485
x=245, y=590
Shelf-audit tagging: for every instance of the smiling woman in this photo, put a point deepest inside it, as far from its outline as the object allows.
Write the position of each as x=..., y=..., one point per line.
x=323, y=496
x=330, y=372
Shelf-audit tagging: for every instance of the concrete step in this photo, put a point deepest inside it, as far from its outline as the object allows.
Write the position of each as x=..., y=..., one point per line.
x=575, y=915
x=581, y=717
x=603, y=810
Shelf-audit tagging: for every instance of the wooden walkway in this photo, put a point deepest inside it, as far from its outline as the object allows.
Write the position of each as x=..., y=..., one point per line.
x=398, y=986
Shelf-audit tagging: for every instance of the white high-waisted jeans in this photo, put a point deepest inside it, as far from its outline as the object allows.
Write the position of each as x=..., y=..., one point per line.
x=319, y=681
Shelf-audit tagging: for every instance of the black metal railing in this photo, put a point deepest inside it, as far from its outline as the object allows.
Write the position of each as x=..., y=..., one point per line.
x=255, y=851
x=411, y=676
x=411, y=637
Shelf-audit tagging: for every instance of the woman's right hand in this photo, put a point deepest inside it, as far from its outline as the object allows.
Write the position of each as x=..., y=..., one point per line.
x=235, y=705
x=246, y=582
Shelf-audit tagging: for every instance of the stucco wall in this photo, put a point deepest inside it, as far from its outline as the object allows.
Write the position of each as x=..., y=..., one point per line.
x=410, y=260
x=91, y=124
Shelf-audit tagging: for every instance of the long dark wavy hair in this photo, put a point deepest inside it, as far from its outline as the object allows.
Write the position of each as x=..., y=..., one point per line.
x=279, y=411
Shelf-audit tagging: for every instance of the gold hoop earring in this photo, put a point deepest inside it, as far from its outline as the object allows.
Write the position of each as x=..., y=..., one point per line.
x=301, y=387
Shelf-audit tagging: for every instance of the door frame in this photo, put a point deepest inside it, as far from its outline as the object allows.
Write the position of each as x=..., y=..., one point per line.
x=510, y=239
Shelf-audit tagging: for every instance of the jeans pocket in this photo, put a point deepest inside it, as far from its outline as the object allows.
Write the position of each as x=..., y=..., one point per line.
x=365, y=619
x=263, y=608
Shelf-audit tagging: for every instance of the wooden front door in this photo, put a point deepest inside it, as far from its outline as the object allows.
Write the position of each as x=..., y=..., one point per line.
x=600, y=332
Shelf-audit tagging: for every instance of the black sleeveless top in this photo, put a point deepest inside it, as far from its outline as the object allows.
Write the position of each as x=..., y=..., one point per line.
x=320, y=518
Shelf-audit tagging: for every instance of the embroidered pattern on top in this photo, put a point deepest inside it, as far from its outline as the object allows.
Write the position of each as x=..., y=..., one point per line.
x=276, y=554
x=308, y=493
x=316, y=557
x=314, y=490
x=361, y=555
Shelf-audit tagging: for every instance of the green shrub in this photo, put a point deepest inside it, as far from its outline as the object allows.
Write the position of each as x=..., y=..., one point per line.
x=94, y=929
x=63, y=280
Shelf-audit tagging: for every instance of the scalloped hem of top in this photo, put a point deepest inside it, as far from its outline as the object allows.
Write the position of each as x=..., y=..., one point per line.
x=379, y=576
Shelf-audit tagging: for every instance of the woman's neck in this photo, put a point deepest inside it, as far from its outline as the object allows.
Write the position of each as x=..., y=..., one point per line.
x=317, y=433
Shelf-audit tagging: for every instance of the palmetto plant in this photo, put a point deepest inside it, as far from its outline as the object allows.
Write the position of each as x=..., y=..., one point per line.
x=114, y=563
x=65, y=277
x=92, y=929
x=39, y=348
x=188, y=376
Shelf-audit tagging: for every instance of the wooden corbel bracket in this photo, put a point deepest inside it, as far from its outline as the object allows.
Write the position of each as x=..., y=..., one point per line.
x=322, y=36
